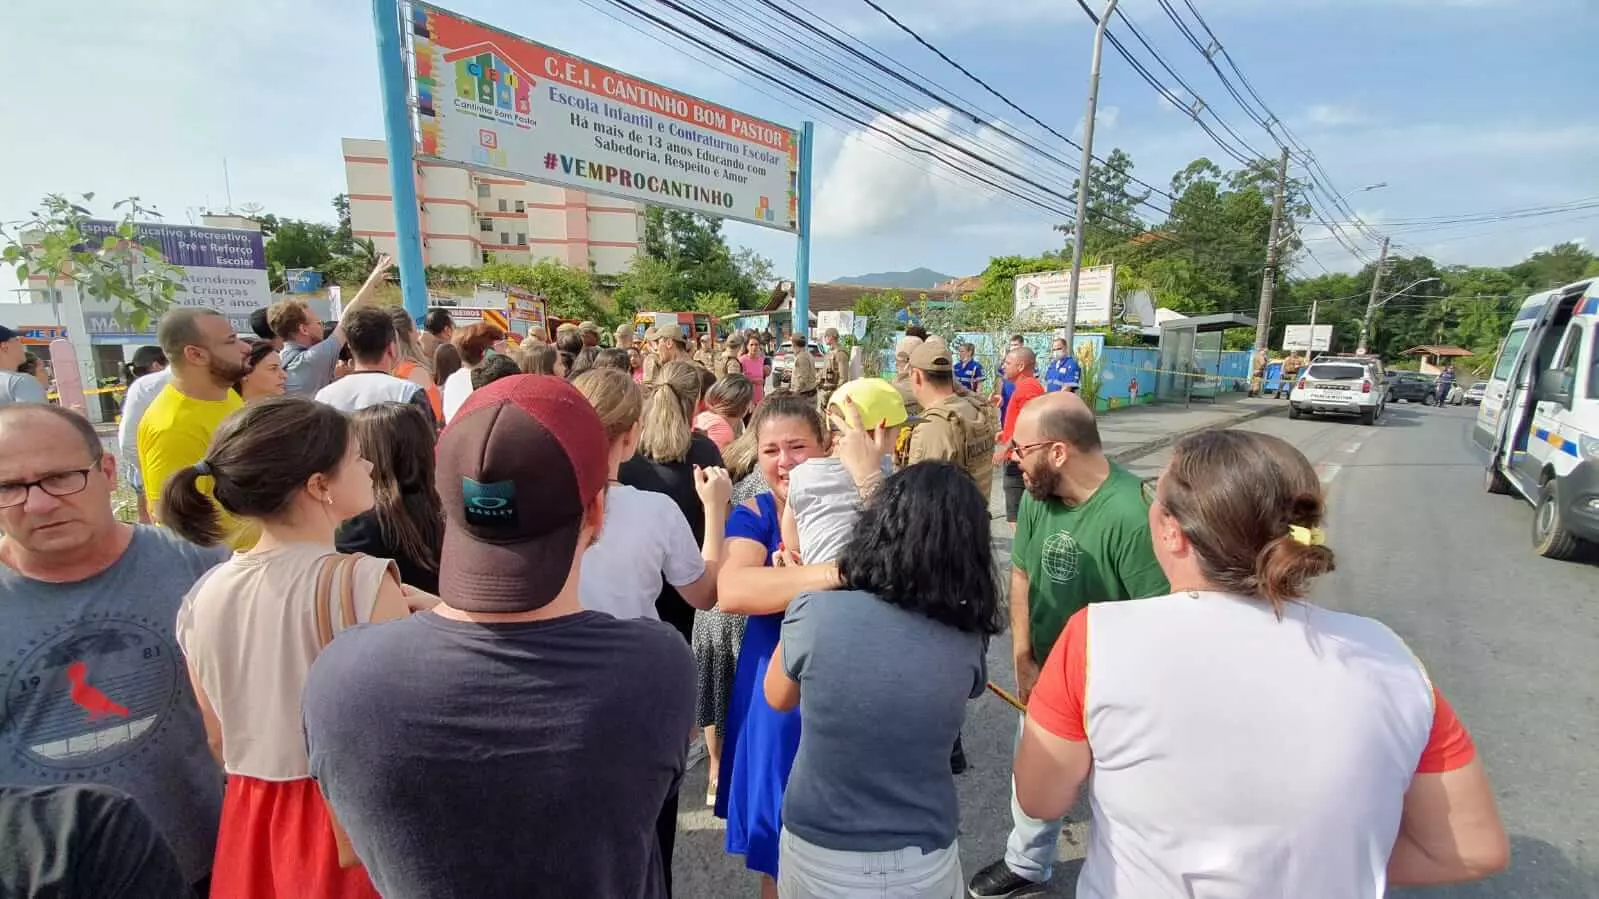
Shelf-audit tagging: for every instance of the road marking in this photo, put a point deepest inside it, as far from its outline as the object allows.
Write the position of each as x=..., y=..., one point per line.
x=1327, y=471
x=1353, y=447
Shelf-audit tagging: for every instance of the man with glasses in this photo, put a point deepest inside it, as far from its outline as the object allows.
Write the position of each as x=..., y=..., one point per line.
x=1082, y=536
x=206, y=358
x=1023, y=387
x=95, y=686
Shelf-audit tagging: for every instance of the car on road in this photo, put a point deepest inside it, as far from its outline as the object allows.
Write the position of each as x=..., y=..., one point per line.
x=1474, y=393
x=1539, y=417
x=783, y=364
x=1412, y=387
x=1339, y=386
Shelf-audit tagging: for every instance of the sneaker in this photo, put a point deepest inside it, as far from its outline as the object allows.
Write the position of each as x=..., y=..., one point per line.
x=998, y=881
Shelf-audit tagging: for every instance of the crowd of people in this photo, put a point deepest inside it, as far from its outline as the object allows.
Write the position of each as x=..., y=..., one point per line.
x=428, y=612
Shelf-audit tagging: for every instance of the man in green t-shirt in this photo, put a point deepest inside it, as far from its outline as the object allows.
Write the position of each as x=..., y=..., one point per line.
x=1082, y=536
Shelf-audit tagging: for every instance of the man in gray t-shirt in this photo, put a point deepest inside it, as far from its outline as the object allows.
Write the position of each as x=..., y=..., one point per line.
x=16, y=387
x=95, y=688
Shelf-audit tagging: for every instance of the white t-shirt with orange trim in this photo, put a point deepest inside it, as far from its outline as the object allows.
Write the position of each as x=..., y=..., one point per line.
x=1238, y=755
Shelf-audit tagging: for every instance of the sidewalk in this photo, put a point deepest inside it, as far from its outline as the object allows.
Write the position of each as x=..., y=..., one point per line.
x=1141, y=430
x=1128, y=434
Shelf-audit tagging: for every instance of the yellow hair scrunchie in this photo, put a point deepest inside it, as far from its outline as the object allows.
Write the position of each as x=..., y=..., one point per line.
x=1307, y=536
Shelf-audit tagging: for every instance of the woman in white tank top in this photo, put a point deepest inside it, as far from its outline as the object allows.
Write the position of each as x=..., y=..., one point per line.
x=250, y=631
x=1246, y=744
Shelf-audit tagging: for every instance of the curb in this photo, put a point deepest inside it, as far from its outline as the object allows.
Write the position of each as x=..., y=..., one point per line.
x=1160, y=443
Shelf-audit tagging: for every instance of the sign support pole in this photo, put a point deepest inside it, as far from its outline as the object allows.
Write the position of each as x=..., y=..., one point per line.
x=386, y=21
x=802, y=255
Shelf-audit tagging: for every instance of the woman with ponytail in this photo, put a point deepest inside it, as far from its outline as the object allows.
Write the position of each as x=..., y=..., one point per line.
x=250, y=630
x=1240, y=735
x=669, y=450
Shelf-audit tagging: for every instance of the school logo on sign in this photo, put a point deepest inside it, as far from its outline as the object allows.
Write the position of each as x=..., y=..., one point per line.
x=490, y=86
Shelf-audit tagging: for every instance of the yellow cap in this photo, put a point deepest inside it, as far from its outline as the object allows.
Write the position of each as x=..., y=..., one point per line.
x=878, y=402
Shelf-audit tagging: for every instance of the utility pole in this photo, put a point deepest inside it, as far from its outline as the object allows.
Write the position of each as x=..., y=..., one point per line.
x=1082, y=179
x=1371, y=304
x=1268, y=282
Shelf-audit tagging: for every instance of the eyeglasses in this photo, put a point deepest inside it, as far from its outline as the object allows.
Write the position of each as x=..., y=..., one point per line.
x=1017, y=452
x=60, y=484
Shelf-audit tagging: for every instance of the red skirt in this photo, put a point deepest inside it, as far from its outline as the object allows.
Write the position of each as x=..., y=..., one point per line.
x=276, y=842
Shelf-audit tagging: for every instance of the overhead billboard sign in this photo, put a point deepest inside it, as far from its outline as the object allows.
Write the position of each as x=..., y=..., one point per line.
x=499, y=103
x=1307, y=338
x=1045, y=295
x=223, y=269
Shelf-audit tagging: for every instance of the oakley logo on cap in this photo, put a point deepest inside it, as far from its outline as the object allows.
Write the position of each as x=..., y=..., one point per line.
x=492, y=504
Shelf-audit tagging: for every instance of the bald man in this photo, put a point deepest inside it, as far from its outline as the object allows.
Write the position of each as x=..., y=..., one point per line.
x=1082, y=536
x=1018, y=369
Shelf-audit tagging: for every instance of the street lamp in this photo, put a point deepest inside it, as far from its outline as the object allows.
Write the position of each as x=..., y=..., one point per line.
x=1375, y=304
x=1384, y=301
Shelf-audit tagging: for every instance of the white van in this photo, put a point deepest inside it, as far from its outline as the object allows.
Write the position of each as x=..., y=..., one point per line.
x=1539, y=417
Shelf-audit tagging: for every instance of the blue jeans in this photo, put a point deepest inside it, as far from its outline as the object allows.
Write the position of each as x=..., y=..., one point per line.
x=1030, y=850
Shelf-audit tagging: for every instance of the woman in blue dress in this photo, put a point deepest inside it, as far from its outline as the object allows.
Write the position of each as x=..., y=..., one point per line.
x=759, y=579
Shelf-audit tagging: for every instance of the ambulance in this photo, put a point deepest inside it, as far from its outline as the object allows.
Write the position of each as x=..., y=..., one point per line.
x=1539, y=418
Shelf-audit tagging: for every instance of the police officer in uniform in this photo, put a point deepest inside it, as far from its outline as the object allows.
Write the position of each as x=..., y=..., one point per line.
x=803, y=378
x=835, y=368
x=704, y=357
x=651, y=360
x=955, y=427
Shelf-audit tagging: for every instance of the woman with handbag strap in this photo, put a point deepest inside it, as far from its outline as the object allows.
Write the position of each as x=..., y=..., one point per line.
x=252, y=626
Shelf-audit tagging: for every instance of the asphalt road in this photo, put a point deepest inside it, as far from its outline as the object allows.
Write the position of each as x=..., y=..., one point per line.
x=1512, y=640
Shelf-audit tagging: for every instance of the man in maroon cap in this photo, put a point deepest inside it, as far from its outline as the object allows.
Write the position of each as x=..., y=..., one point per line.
x=507, y=743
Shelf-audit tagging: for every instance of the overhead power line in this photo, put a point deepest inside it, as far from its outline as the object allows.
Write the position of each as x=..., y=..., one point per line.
x=780, y=35
x=995, y=92
x=849, y=115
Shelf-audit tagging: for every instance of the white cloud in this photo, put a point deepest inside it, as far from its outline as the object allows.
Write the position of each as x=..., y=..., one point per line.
x=876, y=184
x=1330, y=116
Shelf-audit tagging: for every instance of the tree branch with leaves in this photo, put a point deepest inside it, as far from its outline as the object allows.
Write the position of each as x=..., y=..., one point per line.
x=118, y=268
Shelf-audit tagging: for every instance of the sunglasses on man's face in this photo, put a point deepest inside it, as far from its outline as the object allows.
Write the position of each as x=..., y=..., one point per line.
x=1016, y=452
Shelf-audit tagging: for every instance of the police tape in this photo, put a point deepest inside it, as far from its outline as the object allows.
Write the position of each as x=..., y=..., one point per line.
x=120, y=388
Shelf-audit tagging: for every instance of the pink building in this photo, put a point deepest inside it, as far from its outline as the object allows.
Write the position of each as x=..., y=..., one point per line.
x=469, y=219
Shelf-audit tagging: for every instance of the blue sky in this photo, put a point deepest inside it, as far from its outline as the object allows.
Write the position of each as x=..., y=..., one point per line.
x=1460, y=106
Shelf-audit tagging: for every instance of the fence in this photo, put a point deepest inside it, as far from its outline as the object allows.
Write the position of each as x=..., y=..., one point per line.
x=1120, y=366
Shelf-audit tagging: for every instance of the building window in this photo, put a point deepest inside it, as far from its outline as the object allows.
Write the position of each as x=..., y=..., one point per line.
x=482, y=191
x=505, y=238
x=504, y=206
x=521, y=240
x=486, y=225
x=488, y=258
x=521, y=206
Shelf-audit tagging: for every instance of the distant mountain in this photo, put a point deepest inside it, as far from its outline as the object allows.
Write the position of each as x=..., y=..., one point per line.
x=917, y=277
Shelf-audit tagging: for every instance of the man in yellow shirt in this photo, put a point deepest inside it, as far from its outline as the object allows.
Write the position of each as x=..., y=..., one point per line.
x=206, y=359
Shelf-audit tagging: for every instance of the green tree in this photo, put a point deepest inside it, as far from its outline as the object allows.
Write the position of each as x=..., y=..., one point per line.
x=343, y=234
x=649, y=285
x=568, y=292
x=1112, y=211
x=716, y=303
x=693, y=249
x=1555, y=267
x=118, y=268
x=995, y=299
